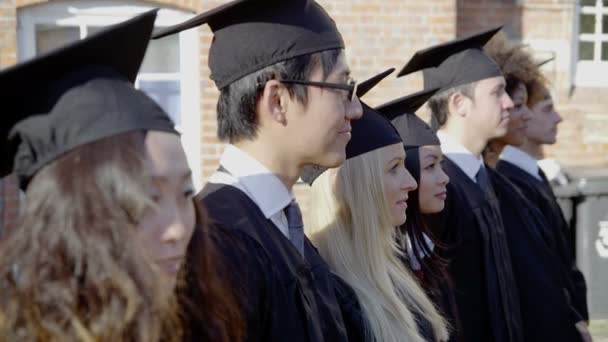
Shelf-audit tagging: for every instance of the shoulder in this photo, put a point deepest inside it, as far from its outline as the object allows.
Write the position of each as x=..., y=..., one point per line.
x=233, y=220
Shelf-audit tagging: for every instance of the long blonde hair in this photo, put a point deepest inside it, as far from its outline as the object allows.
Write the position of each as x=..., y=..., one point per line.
x=349, y=222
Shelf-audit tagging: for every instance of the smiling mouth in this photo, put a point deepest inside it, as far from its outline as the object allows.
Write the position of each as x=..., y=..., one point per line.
x=402, y=201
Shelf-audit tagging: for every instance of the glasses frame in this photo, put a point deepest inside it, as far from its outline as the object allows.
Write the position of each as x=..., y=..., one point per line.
x=351, y=86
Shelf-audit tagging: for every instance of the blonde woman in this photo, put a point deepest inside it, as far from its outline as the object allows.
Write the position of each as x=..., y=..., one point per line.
x=354, y=210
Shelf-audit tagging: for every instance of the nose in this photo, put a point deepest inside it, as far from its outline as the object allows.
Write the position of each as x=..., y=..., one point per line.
x=527, y=114
x=354, y=111
x=507, y=102
x=409, y=183
x=558, y=117
x=444, y=179
x=175, y=229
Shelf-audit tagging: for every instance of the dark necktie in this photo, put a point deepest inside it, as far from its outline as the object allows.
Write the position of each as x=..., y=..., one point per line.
x=296, y=226
x=545, y=180
x=482, y=179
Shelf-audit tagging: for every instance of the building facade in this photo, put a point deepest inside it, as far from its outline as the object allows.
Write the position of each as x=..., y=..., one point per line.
x=379, y=34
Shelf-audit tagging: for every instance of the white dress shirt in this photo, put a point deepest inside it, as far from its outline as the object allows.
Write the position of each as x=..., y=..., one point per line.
x=459, y=154
x=415, y=259
x=521, y=159
x=254, y=179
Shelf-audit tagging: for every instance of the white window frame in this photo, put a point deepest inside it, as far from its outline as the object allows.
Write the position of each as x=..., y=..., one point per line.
x=83, y=13
x=589, y=73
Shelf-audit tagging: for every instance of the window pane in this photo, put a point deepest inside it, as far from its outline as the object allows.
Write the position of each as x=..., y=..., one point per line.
x=167, y=94
x=605, y=51
x=587, y=24
x=605, y=23
x=587, y=2
x=162, y=55
x=585, y=51
x=49, y=37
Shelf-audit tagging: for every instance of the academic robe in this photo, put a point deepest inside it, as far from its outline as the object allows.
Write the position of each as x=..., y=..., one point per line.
x=284, y=296
x=485, y=292
x=541, y=195
x=356, y=322
x=545, y=310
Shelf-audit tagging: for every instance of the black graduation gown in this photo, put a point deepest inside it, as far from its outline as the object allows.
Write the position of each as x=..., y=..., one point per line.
x=356, y=322
x=285, y=297
x=545, y=310
x=485, y=292
x=541, y=195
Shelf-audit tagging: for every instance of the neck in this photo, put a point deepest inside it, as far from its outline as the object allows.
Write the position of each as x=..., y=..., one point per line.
x=471, y=142
x=532, y=148
x=492, y=152
x=285, y=168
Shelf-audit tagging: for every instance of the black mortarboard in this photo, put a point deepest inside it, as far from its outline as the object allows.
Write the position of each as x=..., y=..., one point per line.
x=372, y=131
x=249, y=35
x=454, y=63
x=76, y=95
x=402, y=112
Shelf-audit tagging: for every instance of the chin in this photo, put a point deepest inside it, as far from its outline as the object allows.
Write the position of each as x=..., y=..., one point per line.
x=435, y=208
x=439, y=207
x=331, y=159
x=500, y=132
x=400, y=220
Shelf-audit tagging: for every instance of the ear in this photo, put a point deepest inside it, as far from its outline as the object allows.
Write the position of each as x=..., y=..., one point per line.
x=272, y=105
x=459, y=104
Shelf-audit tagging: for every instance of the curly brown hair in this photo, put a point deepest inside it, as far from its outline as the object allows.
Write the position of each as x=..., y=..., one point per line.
x=517, y=64
x=72, y=271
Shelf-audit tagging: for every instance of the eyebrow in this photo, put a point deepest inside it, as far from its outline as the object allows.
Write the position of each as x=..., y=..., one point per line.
x=499, y=86
x=435, y=157
x=345, y=74
x=164, y=179
x=396, y=159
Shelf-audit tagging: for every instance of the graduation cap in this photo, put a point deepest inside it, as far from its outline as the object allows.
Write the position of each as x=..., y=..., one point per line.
x=249, y=35
x=402, y=112
x=372, y=131
x=454, y=63
x=76, y=95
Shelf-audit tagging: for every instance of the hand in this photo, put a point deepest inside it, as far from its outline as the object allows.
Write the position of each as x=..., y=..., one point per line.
x=583, y=329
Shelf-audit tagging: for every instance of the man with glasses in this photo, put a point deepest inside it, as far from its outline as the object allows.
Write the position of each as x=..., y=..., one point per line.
x=286, y=101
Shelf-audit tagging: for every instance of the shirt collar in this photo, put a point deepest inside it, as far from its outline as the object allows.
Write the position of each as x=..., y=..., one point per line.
x=520, y=159
x=266, y=189
x=459, y=154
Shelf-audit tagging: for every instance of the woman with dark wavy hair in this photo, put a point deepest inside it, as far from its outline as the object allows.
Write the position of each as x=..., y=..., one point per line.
x=99, y=251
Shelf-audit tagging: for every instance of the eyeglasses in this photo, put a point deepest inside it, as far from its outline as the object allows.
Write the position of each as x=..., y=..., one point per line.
x=351, y=86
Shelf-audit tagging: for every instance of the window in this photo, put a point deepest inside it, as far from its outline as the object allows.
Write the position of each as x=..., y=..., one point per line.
x=169, y=73
x=592, y=43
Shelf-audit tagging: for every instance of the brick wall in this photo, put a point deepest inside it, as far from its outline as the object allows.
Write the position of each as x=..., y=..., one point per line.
x=378, y=35
x=547, y=25
x=9, y=203
x=385, y=33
